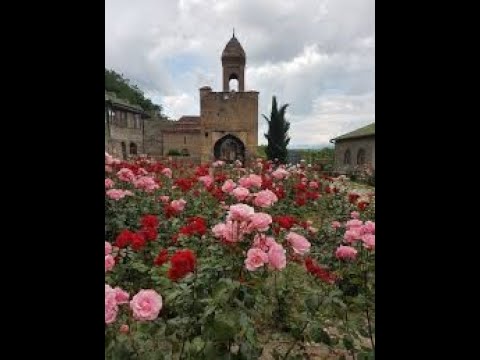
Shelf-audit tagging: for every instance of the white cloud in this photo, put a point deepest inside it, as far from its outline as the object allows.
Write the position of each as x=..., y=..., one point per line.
x=316, y=55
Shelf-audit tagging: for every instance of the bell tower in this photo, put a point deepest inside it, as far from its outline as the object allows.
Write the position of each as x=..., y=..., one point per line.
x=233, y=63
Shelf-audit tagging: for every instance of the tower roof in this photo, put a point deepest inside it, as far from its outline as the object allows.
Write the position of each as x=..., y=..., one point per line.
x=233, y=49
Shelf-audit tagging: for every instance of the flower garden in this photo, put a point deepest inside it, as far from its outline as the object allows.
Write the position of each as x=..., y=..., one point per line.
x=218, y=261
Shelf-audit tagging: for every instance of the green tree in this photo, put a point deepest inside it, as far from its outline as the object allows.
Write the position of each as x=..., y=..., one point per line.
x=277, y=135
x=122, y=88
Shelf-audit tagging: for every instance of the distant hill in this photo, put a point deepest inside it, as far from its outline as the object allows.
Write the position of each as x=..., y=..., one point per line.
x=122, y=88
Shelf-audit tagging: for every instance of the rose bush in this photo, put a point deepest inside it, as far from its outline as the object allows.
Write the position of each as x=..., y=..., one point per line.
x=208, y=261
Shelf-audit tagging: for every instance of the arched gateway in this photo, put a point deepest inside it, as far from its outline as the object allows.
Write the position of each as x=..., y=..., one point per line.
x=229, y=148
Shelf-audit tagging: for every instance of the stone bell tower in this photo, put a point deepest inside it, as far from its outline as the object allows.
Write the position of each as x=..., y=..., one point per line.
x=233, y=63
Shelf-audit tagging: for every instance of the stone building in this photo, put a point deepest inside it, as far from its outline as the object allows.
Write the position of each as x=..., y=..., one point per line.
x=355, y=149
x=124, y=129
x=226, y=129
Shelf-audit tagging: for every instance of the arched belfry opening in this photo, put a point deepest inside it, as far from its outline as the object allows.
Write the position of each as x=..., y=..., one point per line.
x=233, y=82
x=233, y=63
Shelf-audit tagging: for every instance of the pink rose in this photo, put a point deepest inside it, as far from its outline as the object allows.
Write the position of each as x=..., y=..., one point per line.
x=299, y=244
x=352, y=235
x=121, y=296
x=259, y=222
x=146, y=305
x=125, y=174
x=276, y=256
x=234, y=231
x=240, y=212
x=256, y=258
x=218, y=230
x=346, y=252
x=178, y=205
x=280, y=174
x=109, y=183
x=369, y=227
x=167, y=172
x=255, y=180
x=164, y=198
x=145, y=183
x=240, y=193
x=109, y=263
x=116, y=194
x=354, y=223
x=263, y=242
x=108, y=159
x=336, y=225
x=111, y=307
x=206, y=180
x=265, y=198
x=228, y=186
x=108, y=248
x=369, y=241
x=142, y=171
x=218, y=163
x=108, y=168
x=354, y=214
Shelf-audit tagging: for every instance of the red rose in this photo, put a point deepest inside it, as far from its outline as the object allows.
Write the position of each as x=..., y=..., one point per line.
x=182, y=263
x=124, y=238
x=149, y=221
x=137, y=241
x=161, y=258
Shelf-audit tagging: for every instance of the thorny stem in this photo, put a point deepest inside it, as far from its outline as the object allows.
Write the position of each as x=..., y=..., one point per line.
x=296, y=341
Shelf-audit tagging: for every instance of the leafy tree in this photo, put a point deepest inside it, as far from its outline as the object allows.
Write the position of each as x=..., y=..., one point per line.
x=117, y=84
x=277, y=135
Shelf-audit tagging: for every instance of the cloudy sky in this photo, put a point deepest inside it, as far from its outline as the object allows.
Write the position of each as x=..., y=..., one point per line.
x=316, y=55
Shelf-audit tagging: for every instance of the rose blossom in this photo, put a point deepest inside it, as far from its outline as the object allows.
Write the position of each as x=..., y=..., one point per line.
x=228, y=186
x=313, y=185
x=167, y=172
x=108, y=248
x=256, y=258
x=240, y=212
x=117, y=194
x=108, y=159
x=354, y=214
x=146, y=183
x=121, y=296
x=146, y=305
x=178, y=205
x=280, y=173
x=346, y=252
x=218, y=230
x=299, y=244
x=234, y=231
x=276, y=256
x=261, y=241
x=265, y=198
x=354, y=223
x=336, y=224
x=369, y=227
x=259, y=222
x=125, y=174
x=109, y=263
x=218, y=163
x=111, y=307
x=109, y=183
x=206, y=180
x=352, y=235
x=369, y=241
x=164, y=198
x=240, y=193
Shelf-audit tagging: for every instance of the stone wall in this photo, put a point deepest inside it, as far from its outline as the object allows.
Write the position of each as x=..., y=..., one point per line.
x=224, y=113
x=153, y=138
x=366, y=143
x=189, y=141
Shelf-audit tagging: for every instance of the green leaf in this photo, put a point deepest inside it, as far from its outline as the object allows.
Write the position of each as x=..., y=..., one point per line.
x=320, y=336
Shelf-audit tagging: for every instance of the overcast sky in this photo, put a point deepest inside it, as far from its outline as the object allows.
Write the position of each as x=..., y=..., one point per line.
x=316, y=55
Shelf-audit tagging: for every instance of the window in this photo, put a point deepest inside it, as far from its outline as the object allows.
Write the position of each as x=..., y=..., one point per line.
x=133, y=149
x=121, y=118
x=184, y=140
x=124, y=150
x=346, y=157
x=361, y=157
x=136, y=121
x=185, y=152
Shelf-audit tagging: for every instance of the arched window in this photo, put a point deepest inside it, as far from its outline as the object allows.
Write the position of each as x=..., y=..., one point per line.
x=124, y=150
x=346, y=157
x=361, y=157
x=233, y=83
x=133, y=149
